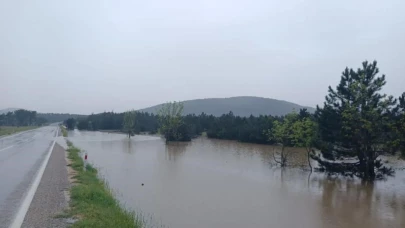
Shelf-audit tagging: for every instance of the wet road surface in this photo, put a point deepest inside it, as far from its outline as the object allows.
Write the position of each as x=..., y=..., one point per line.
x=21, y=155
x=220, y=183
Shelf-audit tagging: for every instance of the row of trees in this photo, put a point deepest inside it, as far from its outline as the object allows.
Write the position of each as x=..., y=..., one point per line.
x=295, y=129
x=58, y=117
x=170, y=123
x=21, y=117
x=247, y=129
x=356, y=124
x=143, y=122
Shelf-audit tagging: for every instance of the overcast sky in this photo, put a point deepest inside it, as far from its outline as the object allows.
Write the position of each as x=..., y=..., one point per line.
x=91, y=56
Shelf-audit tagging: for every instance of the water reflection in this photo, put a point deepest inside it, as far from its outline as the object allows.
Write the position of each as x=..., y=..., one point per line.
x=175, y=149
x=219, y=183
x=351, y=203
x=129, y=146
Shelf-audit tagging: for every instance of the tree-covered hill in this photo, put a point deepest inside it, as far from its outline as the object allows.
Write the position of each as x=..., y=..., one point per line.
x=240, y=106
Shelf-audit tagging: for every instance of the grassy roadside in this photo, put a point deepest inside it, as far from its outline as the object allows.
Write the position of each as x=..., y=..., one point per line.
x=8, y=130
x=91, y=200
x=63, y=130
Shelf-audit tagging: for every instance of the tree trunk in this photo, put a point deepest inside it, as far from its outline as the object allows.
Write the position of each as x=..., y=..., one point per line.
x=282, y=157
x=309, y=158
x=371, y=166
x=370, y=169
x=367, y=167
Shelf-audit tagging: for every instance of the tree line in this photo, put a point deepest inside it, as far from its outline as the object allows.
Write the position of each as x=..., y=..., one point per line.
x=144, y=122
x=176, y=127
x=58, y=117
x=356, y=124
x=21, y=117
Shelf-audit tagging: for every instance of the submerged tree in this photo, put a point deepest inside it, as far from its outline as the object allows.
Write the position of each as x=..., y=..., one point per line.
x=171, y=122
x=304, y=135
x=70, y=123
x=282, y=134
x=129, y=122
x=352, y=123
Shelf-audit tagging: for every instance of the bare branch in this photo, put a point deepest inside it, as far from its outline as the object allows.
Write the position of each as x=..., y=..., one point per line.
x=274, y=157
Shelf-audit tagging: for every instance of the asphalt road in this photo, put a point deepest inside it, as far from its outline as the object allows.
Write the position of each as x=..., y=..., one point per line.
x=21, y=156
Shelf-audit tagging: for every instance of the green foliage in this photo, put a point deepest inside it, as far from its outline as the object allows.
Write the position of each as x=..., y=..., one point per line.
x=129, y=122
x=58, y=117
x=41, y=121
x=282, y=131
x=144, y=122
x=83, y=124
x=304, y=114
x=244, y=129
x=92, y=201
x=172, y=125
x=20, y=117
x=63, y=130
x=25, y=117
x=70, y=123
x=400, y=126
x=304, y=134
x=357, y=121
x=282, y=134
x=352, y=122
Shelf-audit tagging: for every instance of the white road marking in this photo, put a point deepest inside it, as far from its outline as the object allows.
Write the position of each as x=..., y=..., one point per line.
x=7, y=148
x=22, y=211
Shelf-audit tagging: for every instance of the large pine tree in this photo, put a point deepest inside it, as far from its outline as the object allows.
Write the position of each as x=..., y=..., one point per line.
x=400, y=125
x=353, y=124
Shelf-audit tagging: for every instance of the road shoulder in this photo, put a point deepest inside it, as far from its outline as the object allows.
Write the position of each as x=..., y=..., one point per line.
x=50, y=199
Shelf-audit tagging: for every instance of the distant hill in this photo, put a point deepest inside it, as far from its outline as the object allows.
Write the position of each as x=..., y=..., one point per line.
x=240, y=106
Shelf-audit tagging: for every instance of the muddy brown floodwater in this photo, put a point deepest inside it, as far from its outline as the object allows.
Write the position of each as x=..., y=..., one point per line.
x=226, y=184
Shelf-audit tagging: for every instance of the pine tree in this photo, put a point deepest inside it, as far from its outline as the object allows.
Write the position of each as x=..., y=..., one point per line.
x=400, y=126
x=352, y=123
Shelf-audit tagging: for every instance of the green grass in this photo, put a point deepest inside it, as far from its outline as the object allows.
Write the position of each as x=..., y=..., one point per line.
x=92, y=201
x=8, y=130
x=64, y=131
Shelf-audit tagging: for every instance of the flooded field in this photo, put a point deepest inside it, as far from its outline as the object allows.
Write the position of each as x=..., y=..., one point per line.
x=219, y=183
